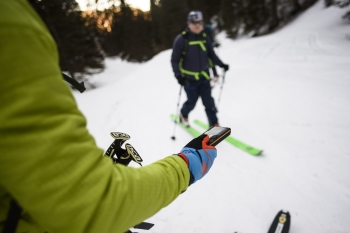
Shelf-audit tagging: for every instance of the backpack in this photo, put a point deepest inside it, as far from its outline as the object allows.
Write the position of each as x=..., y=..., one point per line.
x=186, y=41
x=210, y=33
x=204, y=34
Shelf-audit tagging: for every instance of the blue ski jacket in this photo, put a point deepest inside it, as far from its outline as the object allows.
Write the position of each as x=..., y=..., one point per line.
x=191, y=54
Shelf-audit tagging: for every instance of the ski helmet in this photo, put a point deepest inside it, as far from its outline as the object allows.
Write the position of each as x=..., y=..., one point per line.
x=194, y=15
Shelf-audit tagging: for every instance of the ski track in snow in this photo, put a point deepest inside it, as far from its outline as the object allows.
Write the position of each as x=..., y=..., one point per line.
x=287, y=93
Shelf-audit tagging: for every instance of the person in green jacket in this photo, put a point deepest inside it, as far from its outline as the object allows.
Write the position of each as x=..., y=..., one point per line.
x=50, y=164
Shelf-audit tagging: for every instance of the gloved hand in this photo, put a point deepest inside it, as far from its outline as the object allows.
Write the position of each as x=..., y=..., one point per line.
x=182, y=80
x=225, y=66
x=199, y=157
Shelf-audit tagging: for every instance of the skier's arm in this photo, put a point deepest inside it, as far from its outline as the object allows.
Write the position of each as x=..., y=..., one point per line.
x=178, y=47
x=211, y=53
x=49, y=162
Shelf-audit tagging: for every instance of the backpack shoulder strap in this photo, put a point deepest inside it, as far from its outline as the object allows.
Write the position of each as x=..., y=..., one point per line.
x=185, y=37
x=12, y=218
x=205, y=36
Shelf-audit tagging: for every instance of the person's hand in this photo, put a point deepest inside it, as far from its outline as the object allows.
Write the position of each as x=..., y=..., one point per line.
x=225, y=67
x=181, y=80
x=199, y=157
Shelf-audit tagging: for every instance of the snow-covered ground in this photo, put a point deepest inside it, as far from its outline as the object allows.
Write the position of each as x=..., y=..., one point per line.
x=287, y=93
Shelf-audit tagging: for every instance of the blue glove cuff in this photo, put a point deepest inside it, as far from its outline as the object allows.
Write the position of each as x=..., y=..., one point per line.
x=199, y=161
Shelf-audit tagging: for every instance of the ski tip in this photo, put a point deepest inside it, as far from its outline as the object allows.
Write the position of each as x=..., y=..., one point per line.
x=259, y=152
x=281, y=222
x=254, y=151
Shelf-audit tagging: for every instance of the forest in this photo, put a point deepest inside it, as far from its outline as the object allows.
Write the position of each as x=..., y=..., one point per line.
x=86, y=38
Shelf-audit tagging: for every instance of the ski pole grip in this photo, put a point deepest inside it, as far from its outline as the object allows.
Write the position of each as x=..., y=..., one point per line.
x=120, y=155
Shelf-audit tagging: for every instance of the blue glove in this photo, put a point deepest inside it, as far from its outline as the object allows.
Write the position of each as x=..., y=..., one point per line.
x=199, y=157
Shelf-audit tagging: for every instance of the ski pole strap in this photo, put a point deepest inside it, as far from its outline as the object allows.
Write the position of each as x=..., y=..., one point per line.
x=12, y=218
x=79, y=86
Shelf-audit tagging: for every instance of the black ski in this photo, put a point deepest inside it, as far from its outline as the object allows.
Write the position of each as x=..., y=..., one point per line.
x=143, y=226
x=281, y=223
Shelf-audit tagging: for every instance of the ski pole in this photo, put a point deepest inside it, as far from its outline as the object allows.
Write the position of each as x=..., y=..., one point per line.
x=177, y=113
x=222, y=85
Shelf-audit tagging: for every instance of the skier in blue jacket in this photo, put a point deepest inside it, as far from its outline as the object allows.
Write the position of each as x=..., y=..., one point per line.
x=190, y=62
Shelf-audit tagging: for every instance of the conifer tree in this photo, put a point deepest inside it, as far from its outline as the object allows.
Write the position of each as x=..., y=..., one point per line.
x=78, y=46
x=341, y=4
x=231, y=15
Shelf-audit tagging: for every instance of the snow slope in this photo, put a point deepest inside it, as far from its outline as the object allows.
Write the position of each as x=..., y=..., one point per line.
x=287, y=93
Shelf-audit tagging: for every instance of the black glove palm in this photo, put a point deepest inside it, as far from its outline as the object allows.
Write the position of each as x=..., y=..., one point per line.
x=181, y=80
x=225, y=66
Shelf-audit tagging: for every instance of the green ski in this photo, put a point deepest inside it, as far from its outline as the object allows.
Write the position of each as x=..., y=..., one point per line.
x=233, y=141
x=195, y=133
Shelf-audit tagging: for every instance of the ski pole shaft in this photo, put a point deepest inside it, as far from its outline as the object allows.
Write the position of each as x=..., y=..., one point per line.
x=177, y=112
x=221, y=87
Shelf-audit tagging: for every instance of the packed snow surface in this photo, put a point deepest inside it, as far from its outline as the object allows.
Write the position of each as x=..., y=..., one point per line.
x=287, y=93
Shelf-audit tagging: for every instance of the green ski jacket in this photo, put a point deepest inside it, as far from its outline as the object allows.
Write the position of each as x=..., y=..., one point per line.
x=49, y=163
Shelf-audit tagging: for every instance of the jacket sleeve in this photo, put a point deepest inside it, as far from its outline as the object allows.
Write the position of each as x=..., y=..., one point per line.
x=212, y=54
x=178, y=47
x=49, y=162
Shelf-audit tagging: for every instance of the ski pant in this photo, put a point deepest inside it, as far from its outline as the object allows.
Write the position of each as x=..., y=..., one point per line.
x=194, y=90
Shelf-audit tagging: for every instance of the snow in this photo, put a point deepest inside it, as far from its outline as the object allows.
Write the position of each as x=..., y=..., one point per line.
x=287, y=93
